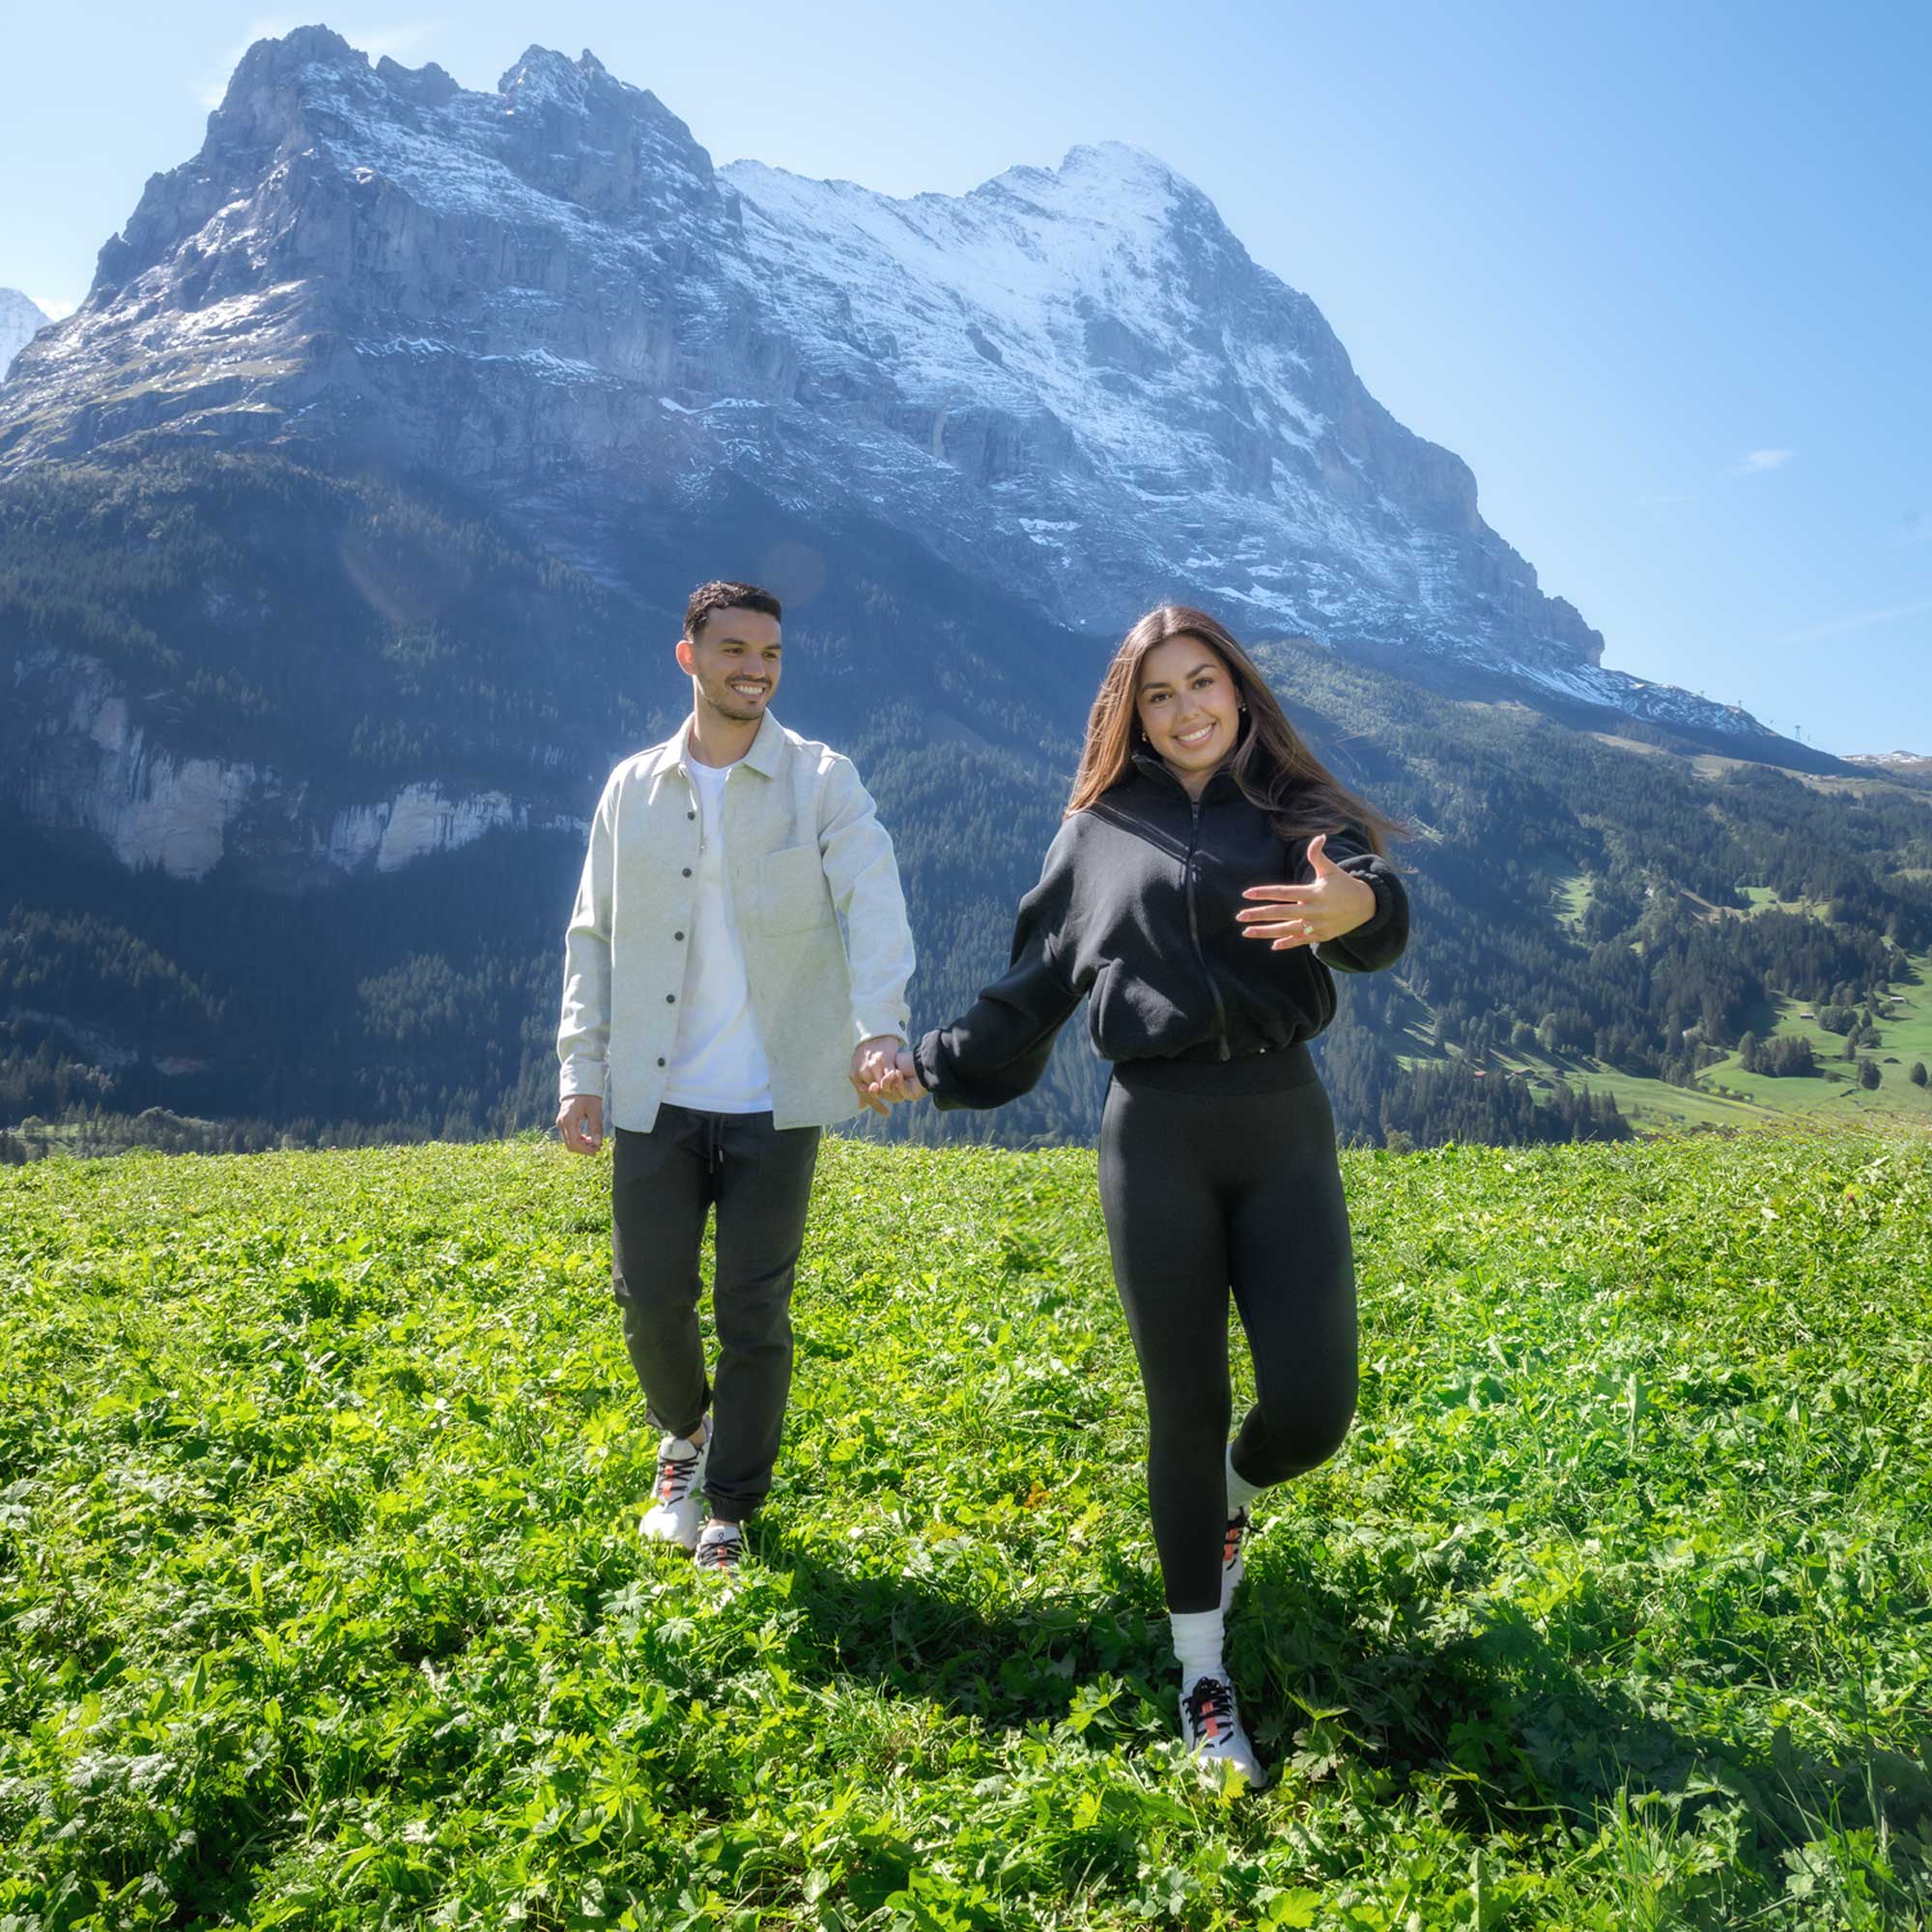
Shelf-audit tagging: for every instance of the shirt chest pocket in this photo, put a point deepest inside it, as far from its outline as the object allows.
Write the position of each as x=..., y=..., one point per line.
x=792, y=896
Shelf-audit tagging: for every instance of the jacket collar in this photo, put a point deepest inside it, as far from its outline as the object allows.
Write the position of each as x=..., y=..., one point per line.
x=1153, y=767
x=767, y=748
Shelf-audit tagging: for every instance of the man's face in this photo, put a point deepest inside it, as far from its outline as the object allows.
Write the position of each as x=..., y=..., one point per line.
x=734, y=663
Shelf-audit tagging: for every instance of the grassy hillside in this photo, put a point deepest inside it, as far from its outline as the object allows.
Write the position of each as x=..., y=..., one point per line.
x=1905, y=1039
x=320, y=1604
x=1724, y=1094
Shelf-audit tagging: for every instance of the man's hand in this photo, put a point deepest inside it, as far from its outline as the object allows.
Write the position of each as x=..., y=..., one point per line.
x=870, y=1060
x=1324, y=907
x=899, y=1080
x=580, y=1123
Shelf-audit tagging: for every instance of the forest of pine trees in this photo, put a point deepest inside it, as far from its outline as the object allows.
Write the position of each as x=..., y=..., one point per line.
x=1572, y=898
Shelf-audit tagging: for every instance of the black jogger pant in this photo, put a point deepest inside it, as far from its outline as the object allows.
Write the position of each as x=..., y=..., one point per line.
x=662, y=1184
x=1219, y=1178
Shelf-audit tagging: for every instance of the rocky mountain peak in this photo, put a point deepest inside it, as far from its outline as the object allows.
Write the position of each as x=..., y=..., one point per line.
x=303, y=47
x=21, y=318
x=274, y=81
x=545, y=76
x=1118, y=168
x=427, y=84
x=1073, y=382
x=619, y=145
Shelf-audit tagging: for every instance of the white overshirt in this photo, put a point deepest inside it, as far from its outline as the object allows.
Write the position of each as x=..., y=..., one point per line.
x=718, y=1065
x=819, y=916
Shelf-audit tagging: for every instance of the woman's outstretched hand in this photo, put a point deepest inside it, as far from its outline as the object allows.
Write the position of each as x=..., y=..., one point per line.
x=900, y=1081
x=1321, y=908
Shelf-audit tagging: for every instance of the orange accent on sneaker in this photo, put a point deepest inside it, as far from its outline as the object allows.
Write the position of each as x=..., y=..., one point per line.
x=1231, y=1538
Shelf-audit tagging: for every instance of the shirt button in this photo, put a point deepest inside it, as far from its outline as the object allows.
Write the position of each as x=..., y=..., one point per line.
x=671, y=999
x=690, y=815
x=677, y=935
x=687, y=871
x=661, y=1059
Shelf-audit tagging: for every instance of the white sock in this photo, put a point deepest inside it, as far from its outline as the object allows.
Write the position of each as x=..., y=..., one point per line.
x=1197, y=1643
x=1241, y=1491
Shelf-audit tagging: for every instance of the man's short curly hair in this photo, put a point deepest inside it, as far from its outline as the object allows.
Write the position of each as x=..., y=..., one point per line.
x=723, y=595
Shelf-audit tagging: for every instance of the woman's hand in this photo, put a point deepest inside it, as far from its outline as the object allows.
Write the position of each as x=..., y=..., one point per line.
x=900, y=1079
x=1325, y=907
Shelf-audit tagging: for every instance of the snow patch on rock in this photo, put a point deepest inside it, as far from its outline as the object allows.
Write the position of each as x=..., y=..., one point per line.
x=21, y=318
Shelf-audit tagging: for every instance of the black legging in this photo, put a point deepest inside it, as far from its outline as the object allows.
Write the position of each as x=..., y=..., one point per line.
x=1210, y=1184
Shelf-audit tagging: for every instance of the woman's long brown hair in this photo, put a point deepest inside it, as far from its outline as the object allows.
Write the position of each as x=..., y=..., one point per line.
x=1271, y=763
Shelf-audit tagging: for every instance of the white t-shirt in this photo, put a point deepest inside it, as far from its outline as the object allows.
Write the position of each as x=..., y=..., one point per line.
x=719, y=1064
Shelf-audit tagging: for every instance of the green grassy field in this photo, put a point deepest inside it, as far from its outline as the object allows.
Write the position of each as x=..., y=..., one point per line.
x=1762, y=898
x=1727, y=1097
x=321, y=1603
x=1656, y=1106
x=1650, y=1106
x=1905, y=1036
x=1574, y=894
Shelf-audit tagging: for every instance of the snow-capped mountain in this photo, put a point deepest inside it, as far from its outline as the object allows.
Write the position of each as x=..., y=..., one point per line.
x=1913, y=764
x=584, y=364
x=20, y=316
x=1073, y=381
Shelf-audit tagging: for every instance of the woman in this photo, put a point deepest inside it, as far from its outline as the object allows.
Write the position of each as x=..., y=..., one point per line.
x=1208, y=873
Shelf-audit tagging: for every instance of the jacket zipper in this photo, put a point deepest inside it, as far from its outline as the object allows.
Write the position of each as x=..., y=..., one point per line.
x=1194, y=933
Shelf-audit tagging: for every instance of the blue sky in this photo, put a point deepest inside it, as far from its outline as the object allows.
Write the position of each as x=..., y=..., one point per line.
x=1659, y=273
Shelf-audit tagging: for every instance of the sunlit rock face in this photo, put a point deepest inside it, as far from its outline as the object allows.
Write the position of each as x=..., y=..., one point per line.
x=89, y=767
x=1072, y=383
x=1073, y=376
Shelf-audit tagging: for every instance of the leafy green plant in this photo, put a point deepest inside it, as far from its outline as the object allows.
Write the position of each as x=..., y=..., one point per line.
x=322, y=1606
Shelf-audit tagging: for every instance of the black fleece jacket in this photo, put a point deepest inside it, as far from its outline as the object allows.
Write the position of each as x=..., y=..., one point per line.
x=1136, y=905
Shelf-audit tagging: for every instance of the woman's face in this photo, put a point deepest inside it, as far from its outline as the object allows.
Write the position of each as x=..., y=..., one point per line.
x=1188, y=705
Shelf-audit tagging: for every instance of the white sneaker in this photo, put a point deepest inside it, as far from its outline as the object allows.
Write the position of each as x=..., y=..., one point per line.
x=1210, y=1727
x=677, y=1507
x=1233, y=1568
x=720, y=1551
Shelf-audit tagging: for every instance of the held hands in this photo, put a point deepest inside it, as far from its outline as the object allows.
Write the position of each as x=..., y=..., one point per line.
x=580, y=1121
x=872, y=1062
x=899, y=1080
x=1321, y=908
x=874, y=1075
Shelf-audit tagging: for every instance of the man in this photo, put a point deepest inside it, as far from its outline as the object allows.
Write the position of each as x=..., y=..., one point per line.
x=706, y=982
